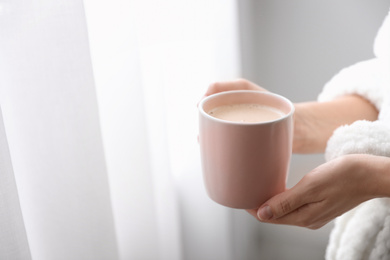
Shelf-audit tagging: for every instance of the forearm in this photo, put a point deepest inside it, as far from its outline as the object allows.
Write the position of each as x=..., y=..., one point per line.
x=316, y=121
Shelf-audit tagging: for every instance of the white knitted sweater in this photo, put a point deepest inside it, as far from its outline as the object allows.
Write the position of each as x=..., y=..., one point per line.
x=364, y=232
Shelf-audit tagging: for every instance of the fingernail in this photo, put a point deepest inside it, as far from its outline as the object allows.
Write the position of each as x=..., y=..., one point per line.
x=265, y=213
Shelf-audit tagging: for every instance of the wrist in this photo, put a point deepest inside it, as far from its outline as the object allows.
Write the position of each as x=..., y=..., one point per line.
x=315, y=121
x=378, y=171
x=370, y=173
x=309, y=135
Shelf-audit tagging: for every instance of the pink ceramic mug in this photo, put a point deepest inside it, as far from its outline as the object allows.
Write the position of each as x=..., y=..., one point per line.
x=245, y=164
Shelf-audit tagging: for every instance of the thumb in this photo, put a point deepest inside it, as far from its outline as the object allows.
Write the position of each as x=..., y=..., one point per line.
x=280, y=205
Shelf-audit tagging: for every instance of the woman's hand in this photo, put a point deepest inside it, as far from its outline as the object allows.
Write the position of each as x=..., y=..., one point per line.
x=328, y=191
x=238, y=84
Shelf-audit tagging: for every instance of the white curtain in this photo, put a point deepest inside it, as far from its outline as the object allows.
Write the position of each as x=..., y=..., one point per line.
x=98, y=150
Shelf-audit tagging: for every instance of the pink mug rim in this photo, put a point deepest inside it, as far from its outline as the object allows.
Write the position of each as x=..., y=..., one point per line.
x=203, y=101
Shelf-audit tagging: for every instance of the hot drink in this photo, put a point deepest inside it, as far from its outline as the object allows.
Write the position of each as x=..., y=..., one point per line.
x=246, y=113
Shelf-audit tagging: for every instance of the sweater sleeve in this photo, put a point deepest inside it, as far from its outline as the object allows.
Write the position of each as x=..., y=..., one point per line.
x=362, y=233
x=369, y=79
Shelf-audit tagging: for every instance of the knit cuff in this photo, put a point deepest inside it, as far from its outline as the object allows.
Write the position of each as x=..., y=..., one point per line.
x=361, y=137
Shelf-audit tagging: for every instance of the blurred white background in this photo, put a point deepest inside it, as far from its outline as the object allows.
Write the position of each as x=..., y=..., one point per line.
x=99, y=158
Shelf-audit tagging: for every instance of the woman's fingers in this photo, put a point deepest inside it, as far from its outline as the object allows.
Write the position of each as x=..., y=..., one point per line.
x=238, y=84
x=288, y=208
x=309, y=215
x=281, y=204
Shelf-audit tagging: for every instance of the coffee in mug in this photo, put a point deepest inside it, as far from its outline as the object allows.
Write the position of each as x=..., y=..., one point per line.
x=245, y=142
x=246, y=113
